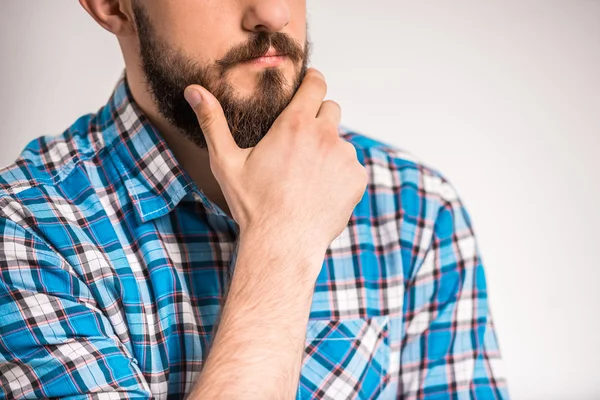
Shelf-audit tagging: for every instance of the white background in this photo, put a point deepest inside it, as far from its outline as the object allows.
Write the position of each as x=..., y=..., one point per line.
x=503, y=97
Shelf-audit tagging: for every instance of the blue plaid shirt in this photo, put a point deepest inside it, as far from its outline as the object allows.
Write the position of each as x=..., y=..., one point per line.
x=114, y=266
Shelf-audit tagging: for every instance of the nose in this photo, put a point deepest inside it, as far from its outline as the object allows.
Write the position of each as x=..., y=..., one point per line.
x=266, y=15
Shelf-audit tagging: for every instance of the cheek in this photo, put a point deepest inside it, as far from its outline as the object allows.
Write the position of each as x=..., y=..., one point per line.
x=202, y=30
x=298, y=29
x=299, y=19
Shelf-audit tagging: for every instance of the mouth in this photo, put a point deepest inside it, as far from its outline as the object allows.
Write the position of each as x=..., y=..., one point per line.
x=270, y=59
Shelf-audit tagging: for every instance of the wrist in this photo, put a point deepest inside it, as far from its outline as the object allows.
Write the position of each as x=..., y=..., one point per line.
x=285, y=248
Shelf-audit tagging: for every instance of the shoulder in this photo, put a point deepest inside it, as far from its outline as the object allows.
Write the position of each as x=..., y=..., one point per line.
x=47, y=160
x=394, y=169
x=414, y=205
x=39, y=186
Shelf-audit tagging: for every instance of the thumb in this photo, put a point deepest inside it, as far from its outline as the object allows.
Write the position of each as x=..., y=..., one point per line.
x=212, y=122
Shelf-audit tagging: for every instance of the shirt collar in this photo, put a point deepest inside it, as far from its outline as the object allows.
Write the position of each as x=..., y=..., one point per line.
x=154, y=180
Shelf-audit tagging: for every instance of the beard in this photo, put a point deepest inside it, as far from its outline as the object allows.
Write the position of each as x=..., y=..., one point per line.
x=169, y=71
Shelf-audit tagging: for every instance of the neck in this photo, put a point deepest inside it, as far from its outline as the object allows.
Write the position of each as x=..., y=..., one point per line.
x=194, y=160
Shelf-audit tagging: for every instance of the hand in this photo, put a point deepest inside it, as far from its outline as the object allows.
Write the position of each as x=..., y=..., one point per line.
x=301, y=181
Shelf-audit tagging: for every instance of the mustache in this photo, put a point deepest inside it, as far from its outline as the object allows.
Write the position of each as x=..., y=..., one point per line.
x=258, y=45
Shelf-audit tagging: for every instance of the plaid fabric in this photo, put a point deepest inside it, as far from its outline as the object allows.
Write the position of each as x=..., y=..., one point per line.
x=114, y=265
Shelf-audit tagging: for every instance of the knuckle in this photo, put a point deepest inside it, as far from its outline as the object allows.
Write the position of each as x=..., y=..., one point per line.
x=215, y=166
x=207, y=120
x=294, y=122
x=334, y=104
x=318, y=81
x=349, y=148
x=321, y=85
x=365, y=175
x=221, y=168
x=316, y=73
x=216, y=163
x=333, y=107
x=361, y=179
x=329, y=142
x=328, y=127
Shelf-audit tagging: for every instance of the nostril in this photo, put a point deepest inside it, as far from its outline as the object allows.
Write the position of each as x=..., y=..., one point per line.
x=262, y=28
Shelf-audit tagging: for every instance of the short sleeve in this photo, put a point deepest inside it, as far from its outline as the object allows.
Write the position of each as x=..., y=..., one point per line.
x=450, y=348
x=53, y=341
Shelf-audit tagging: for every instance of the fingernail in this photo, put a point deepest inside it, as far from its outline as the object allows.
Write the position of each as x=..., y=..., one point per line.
x=193, y=97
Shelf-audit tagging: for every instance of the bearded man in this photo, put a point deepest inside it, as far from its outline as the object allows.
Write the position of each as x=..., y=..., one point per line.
x=213, y=232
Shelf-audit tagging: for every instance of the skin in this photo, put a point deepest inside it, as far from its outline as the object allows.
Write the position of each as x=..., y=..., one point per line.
x=301, y=176
x=205, y=30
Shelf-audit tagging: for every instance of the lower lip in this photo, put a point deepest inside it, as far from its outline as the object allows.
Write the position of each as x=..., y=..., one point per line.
x=270, y=61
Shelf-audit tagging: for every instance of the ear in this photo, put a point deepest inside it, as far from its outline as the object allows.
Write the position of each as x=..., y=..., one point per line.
x=113, y=15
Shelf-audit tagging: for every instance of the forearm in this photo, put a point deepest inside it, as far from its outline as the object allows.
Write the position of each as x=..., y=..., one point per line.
x=257, y=348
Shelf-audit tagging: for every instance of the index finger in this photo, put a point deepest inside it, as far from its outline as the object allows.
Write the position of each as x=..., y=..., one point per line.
x=307, y=100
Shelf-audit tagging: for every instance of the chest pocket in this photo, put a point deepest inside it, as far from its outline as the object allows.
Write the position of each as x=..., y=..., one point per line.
x=345, y=359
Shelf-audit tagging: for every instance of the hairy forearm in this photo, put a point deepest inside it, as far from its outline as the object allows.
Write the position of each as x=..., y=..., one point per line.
x=257, y=349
